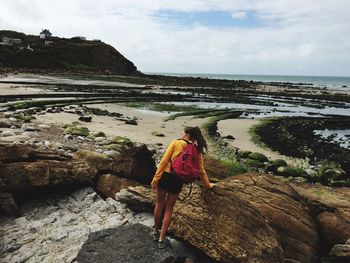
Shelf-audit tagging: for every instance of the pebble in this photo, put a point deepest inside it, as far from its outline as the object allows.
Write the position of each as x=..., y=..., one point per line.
x=81, y=138
x=68, y=137
x=100, y=139
x=7, y=133
x=12, y=119
x=44, y=126
x=30, y=134
x=111, y=153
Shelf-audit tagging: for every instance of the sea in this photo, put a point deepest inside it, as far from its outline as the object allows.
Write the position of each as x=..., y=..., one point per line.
x=329, y=82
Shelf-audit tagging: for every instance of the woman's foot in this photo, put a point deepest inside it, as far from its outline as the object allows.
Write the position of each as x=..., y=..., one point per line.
x=156, y=236
x=164, y=243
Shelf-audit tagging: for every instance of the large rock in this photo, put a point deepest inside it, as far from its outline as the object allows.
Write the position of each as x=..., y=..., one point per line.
x=26, y=167
x=233, y=231
x=132, y=243
x=98, y=160
x=109, y=184
x=135, y=163
x=331, y=209
x=259, y=219
x=54, y=229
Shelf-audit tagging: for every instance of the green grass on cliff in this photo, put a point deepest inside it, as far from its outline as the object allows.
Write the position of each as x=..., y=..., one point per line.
x=67, y=54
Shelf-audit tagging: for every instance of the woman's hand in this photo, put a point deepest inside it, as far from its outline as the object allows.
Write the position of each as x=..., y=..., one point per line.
x=154, y=185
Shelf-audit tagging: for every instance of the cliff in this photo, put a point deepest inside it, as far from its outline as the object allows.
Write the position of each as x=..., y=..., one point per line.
x=57, y=53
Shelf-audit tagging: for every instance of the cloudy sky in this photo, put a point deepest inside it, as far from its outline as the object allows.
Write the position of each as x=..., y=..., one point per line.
x=299, y=37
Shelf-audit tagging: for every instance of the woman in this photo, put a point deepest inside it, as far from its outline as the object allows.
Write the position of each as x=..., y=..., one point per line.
x=169, y=186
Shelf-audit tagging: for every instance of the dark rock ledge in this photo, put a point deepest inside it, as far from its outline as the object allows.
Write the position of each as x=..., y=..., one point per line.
x=127, y=244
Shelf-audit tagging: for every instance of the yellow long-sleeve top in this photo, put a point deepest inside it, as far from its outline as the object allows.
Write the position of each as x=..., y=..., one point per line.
x=174, y=149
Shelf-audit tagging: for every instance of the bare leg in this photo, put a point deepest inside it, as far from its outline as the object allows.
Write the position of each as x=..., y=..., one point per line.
x=170, y=203
x=158, y=210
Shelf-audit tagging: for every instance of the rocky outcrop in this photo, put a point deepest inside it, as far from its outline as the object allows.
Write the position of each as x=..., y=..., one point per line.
x=132, y=243
x=331, y=209
x=259, y=216
x=135, y=163
x=108, y=184
x=26, y=167
x=234, y=231
x=54, y=229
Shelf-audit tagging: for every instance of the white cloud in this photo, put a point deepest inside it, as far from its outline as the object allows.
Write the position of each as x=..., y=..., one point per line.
x=239, y=15
x=294, y=37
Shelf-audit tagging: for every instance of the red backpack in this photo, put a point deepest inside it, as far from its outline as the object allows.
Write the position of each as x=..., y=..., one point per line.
x=186, y=164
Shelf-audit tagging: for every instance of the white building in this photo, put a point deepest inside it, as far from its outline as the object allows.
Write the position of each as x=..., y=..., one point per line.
x=45, y=34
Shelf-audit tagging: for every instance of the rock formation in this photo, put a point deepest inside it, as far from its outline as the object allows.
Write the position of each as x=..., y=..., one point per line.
x=249, y=218
x=132, y=243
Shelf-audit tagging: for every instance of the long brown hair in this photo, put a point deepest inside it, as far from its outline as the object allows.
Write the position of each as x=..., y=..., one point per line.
x=195, y=134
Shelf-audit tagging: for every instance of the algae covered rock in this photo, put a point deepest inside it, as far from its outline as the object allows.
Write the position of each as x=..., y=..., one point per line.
x=274, y=165
x=288, y=171
x=254, y=163
x=244, y=154
x=98, y=160
x=258, y=156
x=122, y=140
x=76, y=130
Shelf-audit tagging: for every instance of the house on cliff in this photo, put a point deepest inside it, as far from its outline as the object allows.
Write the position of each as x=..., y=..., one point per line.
x=45, y=34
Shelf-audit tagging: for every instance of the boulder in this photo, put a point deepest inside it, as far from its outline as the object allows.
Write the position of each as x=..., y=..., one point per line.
x=97, y=160
x=131, y=122
x=135, y=163
x=331, y=209
x=27, y=167
x=109, y=184
x=275, y=164
x=288, y=171
x=258, y=156
x=341, y=250
x=244, y=154
x=8, y=133
x=85, y=118
x=260, y=219
x=131, y=243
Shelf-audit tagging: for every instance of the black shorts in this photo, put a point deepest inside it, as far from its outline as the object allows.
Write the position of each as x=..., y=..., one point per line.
x=171, y=183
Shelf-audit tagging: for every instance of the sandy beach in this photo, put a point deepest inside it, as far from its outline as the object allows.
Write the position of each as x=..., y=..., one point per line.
x=149, y=123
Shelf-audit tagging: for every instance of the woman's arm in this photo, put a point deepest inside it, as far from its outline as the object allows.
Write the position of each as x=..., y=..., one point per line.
x=163, y=163
x=203, y=173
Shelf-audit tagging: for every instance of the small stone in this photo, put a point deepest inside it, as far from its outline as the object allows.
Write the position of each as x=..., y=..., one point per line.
x=80, y=138
x=12, y=119
x=112, y=153
x=85, y=118
x=100, y=139
x=44, y=126
x=68, y=137
x=8, y=113
x=30, y=134
x=7, y=133
x=131, y=122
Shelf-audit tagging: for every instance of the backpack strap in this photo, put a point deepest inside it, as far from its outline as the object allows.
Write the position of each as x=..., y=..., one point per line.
x=188, y=142
x=181, y=139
